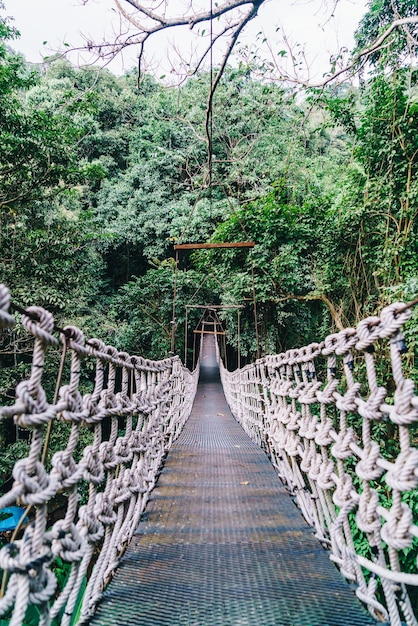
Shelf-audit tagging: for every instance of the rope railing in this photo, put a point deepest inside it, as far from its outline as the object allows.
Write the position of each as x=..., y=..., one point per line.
x=344, y=442
x=136, y=409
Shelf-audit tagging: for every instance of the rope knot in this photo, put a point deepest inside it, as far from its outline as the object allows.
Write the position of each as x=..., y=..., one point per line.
x=368, y=332
x=393, y=317
x=122, y=492
x=294, y=420
x=67, y=470
x=292, y=444
x=35, y=484
x=325, y=479
x=21, y=558
x=123, y=451
x=366, y=517
x=308, y=394
x=342, y=495
x=73, y=401
x=31, y=409
x=347, y=402
x=403, y=411
x=323, y=435
x=308, y=426
x=67, y=543
x=346, y=340
x=341, y=448
x=371, y=408
x=90, y=525
x=315, y=461
x=93, y=471
x=43, y=327
x=107, y=455
x=76, y=338
x=330, y=344
x=104, y=510
x=94, y=412
x=95, y=347
x=138, y=442
x=402, y=476
x=396, y=530
x=367, y=469
x=326, y=396
x=308, y=459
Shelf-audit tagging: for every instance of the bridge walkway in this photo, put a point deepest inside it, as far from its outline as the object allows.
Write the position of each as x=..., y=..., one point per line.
x=221, y=543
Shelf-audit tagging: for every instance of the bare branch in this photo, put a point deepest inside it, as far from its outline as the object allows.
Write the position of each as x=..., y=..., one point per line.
x=335, y=315
x=160, y=21
x=363, y=55
x=236, y=33
x=148, y=21
x=146, y=18
x=346, y=70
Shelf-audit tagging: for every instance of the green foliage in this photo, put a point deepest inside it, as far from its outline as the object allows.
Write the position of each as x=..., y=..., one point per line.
x=381, y=14
x=45, y=237
x=374, y=251
x=10, y=454
x=98, y=179
x=145, y=309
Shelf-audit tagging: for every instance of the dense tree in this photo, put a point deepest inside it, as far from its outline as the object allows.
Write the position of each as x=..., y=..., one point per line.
x=42, y=234
x=389, y=30
x=99, y=177
x=327, y=192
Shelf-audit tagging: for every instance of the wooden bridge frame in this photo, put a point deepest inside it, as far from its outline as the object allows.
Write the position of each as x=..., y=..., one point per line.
x=207, y=246
x=213, y=307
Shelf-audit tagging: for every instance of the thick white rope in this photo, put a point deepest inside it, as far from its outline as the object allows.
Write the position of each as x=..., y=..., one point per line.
x=325, y=418
x=135, y=411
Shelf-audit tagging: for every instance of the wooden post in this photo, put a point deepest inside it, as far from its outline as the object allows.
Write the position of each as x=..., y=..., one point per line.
x=239, y=339
x=194, y=352
x=185, y=337
x=225, y=355
x=173, y=321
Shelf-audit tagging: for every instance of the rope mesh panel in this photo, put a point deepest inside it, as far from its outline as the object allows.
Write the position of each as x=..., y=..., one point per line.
x=340, y=439
x=135, y=411
x=342, y=443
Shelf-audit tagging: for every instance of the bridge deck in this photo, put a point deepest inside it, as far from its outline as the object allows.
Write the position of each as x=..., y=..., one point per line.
x=221, y=542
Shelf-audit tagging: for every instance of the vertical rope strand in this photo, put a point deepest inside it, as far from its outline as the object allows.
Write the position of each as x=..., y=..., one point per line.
x=239, y=339
x=186, y=328
x=173, y=320
x=257, y=341
x=210, y=117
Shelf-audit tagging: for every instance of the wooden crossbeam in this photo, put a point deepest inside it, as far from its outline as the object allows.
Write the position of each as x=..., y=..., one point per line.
x=214, y=306
x=199, y=246
x=209, y=332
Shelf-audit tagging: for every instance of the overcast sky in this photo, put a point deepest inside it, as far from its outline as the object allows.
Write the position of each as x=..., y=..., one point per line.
x=307, y=22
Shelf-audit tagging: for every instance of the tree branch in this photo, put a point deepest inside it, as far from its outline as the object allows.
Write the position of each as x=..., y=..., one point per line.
x=231, y=16
x=240, y=26
x=363, y=55
x=335, y=316
x=188, y=19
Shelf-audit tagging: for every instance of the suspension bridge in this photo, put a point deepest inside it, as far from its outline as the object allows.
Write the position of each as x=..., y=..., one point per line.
x=264, y=496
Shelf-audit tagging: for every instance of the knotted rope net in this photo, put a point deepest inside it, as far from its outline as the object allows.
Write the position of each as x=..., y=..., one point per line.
x=344, y=443
x=135, y=411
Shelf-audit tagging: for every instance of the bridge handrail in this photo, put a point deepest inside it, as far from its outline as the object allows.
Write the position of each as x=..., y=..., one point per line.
x=136, y=410
x=323, y=415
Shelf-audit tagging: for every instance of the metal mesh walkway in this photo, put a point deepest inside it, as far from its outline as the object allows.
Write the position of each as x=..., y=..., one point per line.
x=221, y=542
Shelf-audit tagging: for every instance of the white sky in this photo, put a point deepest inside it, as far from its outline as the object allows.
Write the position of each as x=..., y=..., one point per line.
x=321, y=27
